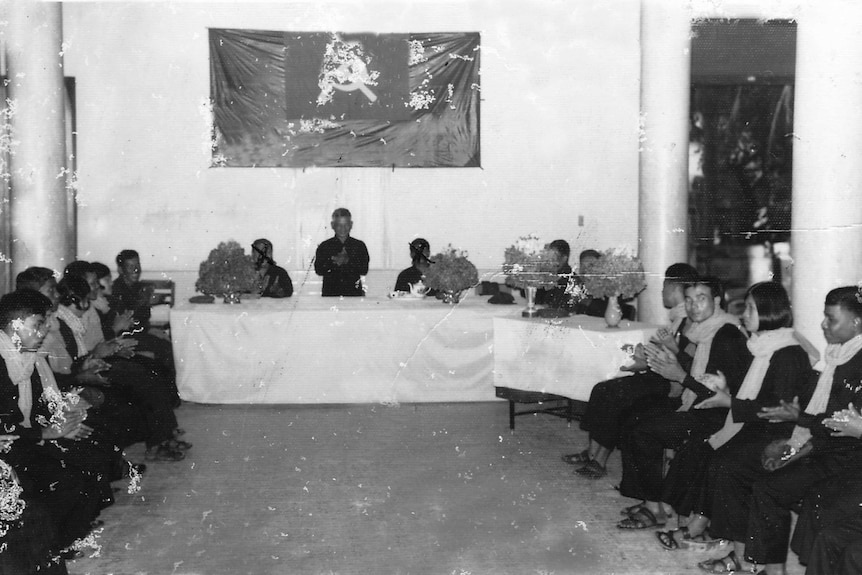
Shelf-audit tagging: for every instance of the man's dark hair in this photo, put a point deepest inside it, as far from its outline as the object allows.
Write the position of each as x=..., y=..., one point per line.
x=33, y=278
x=716, y=288
x=78, y=268
x=341, y=213
x=73, y=291
x=562, y=247
x=589, y=254
x=773, y=305
x=680, y=273
x=125, y=256
x=101, y=270
x=848, y=297
x=21, y=304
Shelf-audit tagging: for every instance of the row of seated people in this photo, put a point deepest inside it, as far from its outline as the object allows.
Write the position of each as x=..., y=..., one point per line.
x=82, y=377
x=759, y=426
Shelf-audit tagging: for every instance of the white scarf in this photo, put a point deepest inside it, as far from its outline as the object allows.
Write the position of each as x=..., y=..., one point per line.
x=762, y=346
x=19, y=365
x=77, y=327
x=836, y=354
x=701, y=334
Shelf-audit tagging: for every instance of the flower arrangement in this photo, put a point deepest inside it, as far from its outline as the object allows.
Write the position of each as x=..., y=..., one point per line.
x=529, y=264
x=616, y=273
x=227, y=270
x=451, y=272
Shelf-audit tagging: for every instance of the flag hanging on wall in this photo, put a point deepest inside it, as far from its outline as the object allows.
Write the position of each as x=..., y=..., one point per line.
x=297, y=99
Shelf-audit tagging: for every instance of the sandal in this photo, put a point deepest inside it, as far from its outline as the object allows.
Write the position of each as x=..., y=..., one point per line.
x=643, y=518
x=577, y=458
x=592, y=470
x=626, y=511
x=702, y=541
x=728, y=564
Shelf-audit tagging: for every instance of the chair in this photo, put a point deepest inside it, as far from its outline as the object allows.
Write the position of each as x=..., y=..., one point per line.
x=162, y=298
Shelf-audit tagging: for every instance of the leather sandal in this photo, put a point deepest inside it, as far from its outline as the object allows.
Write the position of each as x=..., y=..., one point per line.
x=672, y=541
x=592, y=470
x=727, y=564
x=643, y=518
x=577, y=458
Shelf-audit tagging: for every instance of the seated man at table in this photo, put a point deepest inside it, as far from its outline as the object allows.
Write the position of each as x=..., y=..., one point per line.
x=591, y=306
x=420, y=253
x=557, y=298
x=275, y=280
x=341, y=260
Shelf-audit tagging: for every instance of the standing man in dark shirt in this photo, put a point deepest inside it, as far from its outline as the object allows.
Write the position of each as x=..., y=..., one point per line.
x=341, y=260
x=275, y=279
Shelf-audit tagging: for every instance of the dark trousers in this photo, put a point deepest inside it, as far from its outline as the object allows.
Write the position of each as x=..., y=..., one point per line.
x=838, y=549
x=615, y=401
x=773, y=496
x=644, y=444
x=733, y=470
x=146, y=389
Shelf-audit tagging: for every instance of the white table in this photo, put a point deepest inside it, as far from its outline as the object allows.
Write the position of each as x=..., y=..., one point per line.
x=333, y=350
x=564, y=357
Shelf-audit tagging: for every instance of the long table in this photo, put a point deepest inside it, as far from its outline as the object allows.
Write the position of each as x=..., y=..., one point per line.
x=563, y=357
x=336, y=350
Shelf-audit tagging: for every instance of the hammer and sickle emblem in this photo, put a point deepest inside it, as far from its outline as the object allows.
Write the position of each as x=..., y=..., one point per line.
x=355, y=68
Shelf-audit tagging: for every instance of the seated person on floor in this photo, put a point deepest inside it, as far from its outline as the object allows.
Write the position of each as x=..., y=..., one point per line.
x=779, y=372
x=133, y=295
x=814, y=454
x=595, y=307
x=275, y=282
x=341, y=259
x=710, y=342
x=612, y=401
x=412, y=278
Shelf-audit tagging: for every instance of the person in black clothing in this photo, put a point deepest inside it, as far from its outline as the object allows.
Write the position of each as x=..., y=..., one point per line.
x=420, y=252
x=275, y=279
x=710, y=342
x=838, y=385
x=341, y=260
x=780, y=371
x=556, y=298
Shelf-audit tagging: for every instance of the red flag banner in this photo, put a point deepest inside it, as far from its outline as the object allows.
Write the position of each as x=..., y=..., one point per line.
x=296, y=99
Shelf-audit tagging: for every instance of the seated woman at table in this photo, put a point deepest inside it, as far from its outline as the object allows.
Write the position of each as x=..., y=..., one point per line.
x=612, y=401
x=779, y=372
x=411, y=278
x=275, y=281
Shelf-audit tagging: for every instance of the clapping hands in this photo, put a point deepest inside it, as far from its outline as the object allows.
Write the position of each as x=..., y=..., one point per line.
x=664, y=362
x=664, y=337
x=783, y=412
x=718, y=384
x=845, y=423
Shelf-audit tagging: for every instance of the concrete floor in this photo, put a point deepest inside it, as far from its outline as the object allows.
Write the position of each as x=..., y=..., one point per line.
x=372, y=489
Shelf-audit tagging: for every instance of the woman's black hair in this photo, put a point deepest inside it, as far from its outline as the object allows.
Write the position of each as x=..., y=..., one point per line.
x=773, y=305
x=848, y=297
x=100, y=269
x=73, y=291
x=21, y=304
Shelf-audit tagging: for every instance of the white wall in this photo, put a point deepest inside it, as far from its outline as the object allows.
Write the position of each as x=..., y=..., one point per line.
x=559, y=120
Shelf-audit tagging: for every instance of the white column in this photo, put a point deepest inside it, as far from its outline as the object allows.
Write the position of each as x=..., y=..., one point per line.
x=826, y=239
x=38, y=203
x=665, y=89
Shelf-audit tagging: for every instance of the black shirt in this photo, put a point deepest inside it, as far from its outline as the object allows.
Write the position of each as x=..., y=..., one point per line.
x=276, y=283
x=407, y=278
x=341, y=280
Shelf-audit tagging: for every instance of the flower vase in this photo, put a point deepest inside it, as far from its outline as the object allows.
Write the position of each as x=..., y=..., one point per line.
x=232, y=298
x=530, y=310
x=613, y=313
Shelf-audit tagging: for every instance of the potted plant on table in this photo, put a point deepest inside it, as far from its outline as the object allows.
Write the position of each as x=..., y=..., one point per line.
x=451, y=274
x=616, y=274
x=228, y=272
x=530, y=266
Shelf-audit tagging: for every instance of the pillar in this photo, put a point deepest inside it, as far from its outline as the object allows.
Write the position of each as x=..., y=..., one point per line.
x=826, y=237
x=665, y=93
x=38, y=182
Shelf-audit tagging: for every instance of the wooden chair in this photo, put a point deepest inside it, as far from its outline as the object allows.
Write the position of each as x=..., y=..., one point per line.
x=162, y=298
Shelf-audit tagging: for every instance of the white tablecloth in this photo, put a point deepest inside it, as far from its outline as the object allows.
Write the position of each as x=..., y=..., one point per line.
x=332, y=350
x=565, y=357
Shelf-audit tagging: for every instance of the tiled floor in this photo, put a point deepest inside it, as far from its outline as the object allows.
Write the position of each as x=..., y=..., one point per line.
x=438, y=489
